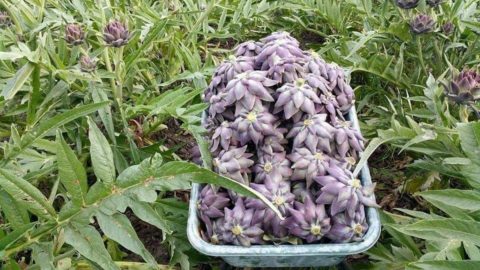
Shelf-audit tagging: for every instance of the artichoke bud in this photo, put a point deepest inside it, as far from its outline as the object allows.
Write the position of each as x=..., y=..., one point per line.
x=422, y=23
x=116, y=34
x=74, y=34
x=407, y=4
x=87, y=64
x=5, y=20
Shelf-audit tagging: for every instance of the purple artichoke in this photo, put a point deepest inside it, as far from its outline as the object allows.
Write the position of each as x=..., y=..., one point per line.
x=343, y=191
x=347, y=229
x=239, y=227
x=116, y=34
x=464, y=88
x=212, y=203
x=316, y=65
x=277, y=192
x=74, y=34
x=347, y=139
x=308, y=164
x=448, y=28
x=313, y=132
x=87, y=64
x=282, y=48
x=254, y=126
x=285, y=70
x=223, y=136
x=294, y=99
x=299, y=189
x=422, y=23
x=5, y=20
x=434, y=3
x=225, y=72
x=196, y=155
x=248, y=90
x=214, y=231
x=249, y=48
x=407, y=4
x=330, y=79
x=219, y=108
x=273, y=143
x=270, y=99
x=275, y=168
x=234, y=163
x=281, y=35
x=308, y=221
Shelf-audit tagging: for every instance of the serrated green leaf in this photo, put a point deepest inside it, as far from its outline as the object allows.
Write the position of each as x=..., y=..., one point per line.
x=101, y=154
x=470, y=139
x=148, y=168
x=15, y=235
x=58, y=120
x=88, y=242
x=472, y=251
x=26, y=194
x=71, y=171
x=118, y=228
x=444, y=229
x=467, y=200
x=444, y=265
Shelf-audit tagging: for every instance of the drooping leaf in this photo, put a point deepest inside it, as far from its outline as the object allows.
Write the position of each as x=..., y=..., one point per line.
x=374, y=144
x=71, y=171
x=15, y=83
x=184, y=171
x=88, y=242
x=15, y=214
x=26, y=194
x=105, y=113
x=42, y=253
x=146, y=213
x=101, y=154
x=118, y=228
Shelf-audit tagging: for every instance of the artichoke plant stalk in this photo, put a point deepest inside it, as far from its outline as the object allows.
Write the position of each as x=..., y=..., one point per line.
x=418, y=40
x=117, y=92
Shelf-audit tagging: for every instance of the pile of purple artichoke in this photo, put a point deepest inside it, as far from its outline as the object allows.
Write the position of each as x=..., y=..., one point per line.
x=276, y=123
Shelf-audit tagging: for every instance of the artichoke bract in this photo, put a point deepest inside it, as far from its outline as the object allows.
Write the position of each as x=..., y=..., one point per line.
x=276, y=123
x=434, y=3
x=87, y=64
x=74, y=34
x=448, y=28
x=248, y=48
x=422, y=23
x=116, y=34
x=407, y=4
x=464, y=88
x=5, y=20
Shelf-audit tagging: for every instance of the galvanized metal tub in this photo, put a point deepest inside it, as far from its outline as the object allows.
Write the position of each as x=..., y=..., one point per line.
x=308, y=255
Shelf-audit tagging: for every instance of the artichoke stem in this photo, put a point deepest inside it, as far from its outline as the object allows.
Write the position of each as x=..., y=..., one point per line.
x=420, y=55
x=463, y=113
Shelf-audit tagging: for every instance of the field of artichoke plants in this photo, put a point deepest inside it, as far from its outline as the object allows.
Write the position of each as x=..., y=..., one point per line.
x=111, y=109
